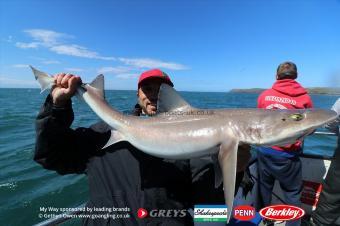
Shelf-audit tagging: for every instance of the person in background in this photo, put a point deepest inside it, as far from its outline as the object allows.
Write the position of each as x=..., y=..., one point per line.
x=328, y=208
x=121, y=175
x=282, y=163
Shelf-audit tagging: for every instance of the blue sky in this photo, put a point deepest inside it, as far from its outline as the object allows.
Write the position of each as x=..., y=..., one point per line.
x=202, y=45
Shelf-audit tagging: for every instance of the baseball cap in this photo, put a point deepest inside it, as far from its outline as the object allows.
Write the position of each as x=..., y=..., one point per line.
x=155, y=73
x=287, y=69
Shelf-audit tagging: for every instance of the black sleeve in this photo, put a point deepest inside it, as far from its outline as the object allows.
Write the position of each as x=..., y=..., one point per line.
x=60, y=148
x=203, y=182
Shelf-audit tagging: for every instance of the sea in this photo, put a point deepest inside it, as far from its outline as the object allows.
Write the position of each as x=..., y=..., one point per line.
x=26, y=188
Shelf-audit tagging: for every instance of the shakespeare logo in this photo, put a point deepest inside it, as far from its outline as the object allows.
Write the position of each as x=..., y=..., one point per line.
x=210, y=213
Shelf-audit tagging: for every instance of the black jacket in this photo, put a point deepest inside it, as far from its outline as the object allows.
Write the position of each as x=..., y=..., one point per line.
x=121, y=175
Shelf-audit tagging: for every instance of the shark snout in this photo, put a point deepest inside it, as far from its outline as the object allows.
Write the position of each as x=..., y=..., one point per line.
x=313, y=119
x=296, y=124
x=319, y=117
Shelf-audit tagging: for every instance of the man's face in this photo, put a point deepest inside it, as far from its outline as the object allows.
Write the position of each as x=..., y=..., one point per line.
x=148, y=94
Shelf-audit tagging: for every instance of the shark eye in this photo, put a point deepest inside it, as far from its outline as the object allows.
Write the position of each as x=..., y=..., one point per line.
x=296, y=117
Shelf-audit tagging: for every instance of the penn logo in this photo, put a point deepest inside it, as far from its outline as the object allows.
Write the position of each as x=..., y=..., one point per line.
x=282, y=212
x=244, y=213
x=142, y=213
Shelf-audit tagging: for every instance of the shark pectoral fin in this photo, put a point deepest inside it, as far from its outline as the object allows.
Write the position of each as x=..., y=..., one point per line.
x=98, y=84
x=45, y=81
x=217, y=171
x=227, y=158
x=170, y=100
x=114, y=138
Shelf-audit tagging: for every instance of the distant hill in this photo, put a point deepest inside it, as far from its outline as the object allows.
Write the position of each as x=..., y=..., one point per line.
x=311, y=90
x=252, y=90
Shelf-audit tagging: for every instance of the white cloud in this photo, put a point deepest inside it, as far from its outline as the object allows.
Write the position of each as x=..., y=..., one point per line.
x=46, y=37
x=36, y=58
x=20, y=65
x=50, y=62
x=127, y=76
x=74, y=69
x=79, y=51
x=41, y=37
x=120, y=72
x=9, y=82
x=55, y=42
x=114, y=70
x=152, y=63
x=44, y=60
x=31, y=45
x=8, y=39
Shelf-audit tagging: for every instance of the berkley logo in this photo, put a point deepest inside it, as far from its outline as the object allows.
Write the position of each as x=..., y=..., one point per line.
x=282, y=212
x=244, y=213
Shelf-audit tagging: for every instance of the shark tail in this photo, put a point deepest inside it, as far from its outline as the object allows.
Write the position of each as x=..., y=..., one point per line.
x=45, y=81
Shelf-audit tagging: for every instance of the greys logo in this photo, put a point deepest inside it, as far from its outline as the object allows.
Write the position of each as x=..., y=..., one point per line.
x=171, y=213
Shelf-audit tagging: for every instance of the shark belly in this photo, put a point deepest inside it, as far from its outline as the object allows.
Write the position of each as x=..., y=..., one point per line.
x=177, y=144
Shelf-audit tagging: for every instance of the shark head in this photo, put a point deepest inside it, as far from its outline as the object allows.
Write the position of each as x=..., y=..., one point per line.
x=282, y=127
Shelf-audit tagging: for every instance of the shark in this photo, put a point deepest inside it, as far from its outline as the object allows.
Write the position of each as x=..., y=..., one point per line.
x=181, y=131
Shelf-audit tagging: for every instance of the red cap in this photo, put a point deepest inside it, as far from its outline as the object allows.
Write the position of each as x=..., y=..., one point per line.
x=155, y=73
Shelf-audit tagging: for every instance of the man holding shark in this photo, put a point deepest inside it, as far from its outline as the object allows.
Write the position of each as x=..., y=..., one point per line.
x=121, y=175
x=178, y=131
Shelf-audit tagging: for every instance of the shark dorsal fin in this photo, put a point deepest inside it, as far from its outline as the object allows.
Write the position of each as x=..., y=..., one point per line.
x=98, y=84
x=170, y=100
